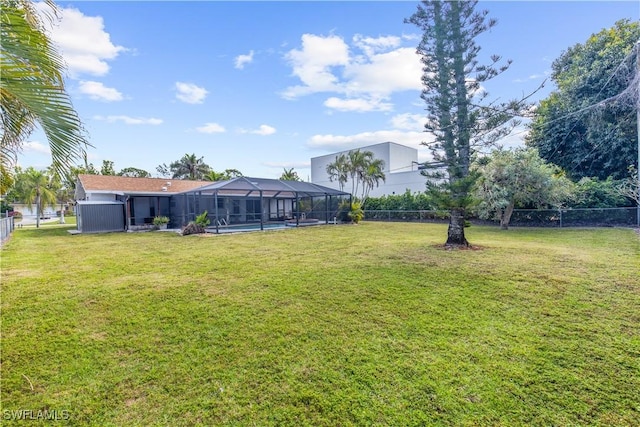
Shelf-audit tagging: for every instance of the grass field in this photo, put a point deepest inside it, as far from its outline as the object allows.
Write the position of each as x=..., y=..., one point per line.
x=362, y=325
x=52, y=222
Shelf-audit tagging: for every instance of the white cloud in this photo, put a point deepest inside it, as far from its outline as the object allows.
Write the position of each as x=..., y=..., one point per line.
x=365, y=74
x=242, y=60
x=129, y=120
x=265, y=130
x=408, y=121
x=83, y=42
x=371, y=45
x=262, y=130
x=357, y=104
x=36, y=147
x=211, y=128
x=99, y=92
x=312, y=64
x=190, y=93
x=348, y=142
x=385, y=73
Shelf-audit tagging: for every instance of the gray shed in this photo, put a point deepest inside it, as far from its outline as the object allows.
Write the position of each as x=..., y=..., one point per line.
x=100, y=216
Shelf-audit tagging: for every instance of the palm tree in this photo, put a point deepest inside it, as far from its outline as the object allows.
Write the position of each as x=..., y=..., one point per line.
x=64, y=192
x=32, y=90
x=362, y=168
x=36, y=187
x=189, y=167
x=339, y=170
x=289, y=175
x=358, y=164
x=214, y=176
x=222, y=176
x=64, y=196
x=372, y=177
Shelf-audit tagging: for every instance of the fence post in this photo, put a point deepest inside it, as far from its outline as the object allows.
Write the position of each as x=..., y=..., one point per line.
x=560, y=218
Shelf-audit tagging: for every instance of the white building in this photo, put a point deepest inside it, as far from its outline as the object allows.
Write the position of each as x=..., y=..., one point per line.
x=400, y=169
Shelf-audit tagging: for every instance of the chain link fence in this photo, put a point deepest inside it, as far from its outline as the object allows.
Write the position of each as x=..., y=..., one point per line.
x=6, y=228
x=588, y=217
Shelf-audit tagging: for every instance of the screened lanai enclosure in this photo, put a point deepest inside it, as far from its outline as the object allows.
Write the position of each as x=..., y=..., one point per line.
x=261, y=203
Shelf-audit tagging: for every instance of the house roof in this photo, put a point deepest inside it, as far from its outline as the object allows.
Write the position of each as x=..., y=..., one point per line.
x=128, y=185
x=269, y=187
x=242, y=186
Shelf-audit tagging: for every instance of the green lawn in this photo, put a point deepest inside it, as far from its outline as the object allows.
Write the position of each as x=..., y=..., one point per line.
x=53, y=222
x=362, y=325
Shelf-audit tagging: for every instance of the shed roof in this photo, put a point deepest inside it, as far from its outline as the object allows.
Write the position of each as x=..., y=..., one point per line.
x=129, y=185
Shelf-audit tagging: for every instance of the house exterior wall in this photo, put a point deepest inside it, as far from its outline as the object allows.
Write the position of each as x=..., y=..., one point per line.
x=400, y=169
x=142, y=209
x=398, y=183
x=100, y=197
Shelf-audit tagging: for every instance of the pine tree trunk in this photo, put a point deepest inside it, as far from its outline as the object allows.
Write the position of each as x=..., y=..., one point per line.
x=506, y=217
x=455, y=234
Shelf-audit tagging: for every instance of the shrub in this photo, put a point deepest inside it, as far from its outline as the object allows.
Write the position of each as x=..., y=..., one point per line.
x=406, y=201
x=595, y=193
x=5, y=207
x=160, y=220
x=203, y=219
x=356, y=214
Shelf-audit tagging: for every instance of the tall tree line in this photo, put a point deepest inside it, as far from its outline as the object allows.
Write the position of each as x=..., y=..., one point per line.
x=587, y=125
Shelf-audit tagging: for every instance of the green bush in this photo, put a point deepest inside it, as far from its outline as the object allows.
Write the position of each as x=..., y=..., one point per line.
x=160, y=220
x=203, y=219
x=407, y=201
x=356, y=214
x=595, y=193
x=4, y=206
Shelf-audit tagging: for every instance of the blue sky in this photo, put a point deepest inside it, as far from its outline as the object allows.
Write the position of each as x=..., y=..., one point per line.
x=262, y=86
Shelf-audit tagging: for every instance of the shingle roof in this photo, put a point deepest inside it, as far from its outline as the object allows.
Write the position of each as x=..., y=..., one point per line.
x=137, y=185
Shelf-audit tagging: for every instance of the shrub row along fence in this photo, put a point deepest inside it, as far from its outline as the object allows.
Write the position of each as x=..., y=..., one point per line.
x=6, y=228
x=594, y=217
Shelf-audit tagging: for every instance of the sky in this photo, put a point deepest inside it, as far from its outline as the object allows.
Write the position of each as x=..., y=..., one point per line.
x=265, y=86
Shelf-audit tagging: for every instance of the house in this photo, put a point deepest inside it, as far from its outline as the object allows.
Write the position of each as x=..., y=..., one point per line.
x=115, y=203
x=401, y=168
x=119, y=203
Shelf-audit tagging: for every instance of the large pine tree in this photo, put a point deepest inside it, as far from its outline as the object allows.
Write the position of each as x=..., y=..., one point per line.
x=457, y=115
